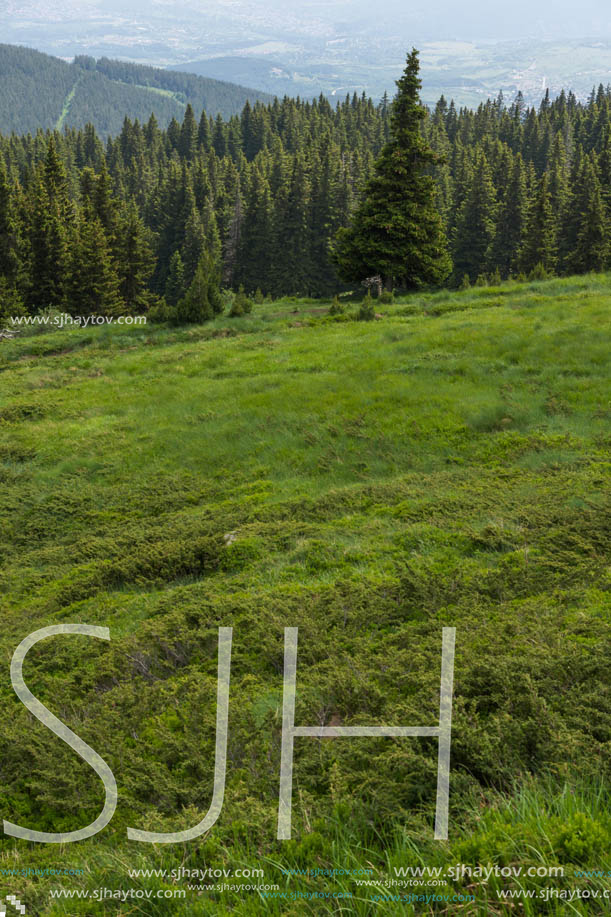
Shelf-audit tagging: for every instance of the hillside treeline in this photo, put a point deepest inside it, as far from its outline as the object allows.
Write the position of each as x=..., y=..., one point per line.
x=92, y=226
x=39, y=90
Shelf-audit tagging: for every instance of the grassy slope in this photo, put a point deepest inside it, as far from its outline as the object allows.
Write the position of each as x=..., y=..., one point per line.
x=443, y=466
x=66, y=108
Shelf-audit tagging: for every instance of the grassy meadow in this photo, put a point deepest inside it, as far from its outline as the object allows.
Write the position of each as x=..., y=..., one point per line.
x=370, y=482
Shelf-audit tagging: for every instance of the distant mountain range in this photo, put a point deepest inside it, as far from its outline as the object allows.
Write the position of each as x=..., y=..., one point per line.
x=40, y=91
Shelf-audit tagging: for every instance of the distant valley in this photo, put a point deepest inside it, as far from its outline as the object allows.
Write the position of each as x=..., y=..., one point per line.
x=468, y=72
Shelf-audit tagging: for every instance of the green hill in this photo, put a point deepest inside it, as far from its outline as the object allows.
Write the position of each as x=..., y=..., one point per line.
x=369, y=482
x=43, y=91
x=270, y=75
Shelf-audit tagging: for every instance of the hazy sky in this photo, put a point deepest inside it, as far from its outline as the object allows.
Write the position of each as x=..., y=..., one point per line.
x=494, y=19
x=466, y=19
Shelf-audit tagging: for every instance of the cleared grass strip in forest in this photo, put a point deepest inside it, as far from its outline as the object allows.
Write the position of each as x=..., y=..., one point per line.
x=161, y=92
x=66, y=108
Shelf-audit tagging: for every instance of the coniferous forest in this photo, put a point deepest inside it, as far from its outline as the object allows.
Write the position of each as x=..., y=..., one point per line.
x=123, y=225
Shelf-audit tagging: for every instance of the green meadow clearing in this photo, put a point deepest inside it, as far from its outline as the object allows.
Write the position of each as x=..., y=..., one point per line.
x=370, y=483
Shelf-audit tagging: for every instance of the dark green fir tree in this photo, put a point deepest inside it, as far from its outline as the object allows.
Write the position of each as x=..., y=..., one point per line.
x=396, y=231
x=203, y=300
x=175, y=284
x=540, y=245
x=253, y=263
x=592, y=248
x=187, y=144
x=9, y=235
x=93, y=281
x=475, y=223
x=511, y=222
x=135, y=261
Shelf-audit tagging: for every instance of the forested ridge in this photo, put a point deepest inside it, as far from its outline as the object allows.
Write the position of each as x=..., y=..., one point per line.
x=92, y=226
x=39, y=90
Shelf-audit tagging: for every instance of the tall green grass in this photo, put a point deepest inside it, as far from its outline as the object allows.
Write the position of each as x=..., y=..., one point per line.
x=445, y=465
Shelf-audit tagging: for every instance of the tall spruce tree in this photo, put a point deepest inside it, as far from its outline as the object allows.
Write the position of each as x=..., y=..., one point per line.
x=604, y=168
x=540, y=246
x=135, y=260
x=253, y=262
x=187, y=143
x=49, y=253
x=202, y=301
x=323, y=222
x=9, y=238
x=93, y=280
x=211, y=230
x=592, y=249
x=396, y=231
x=558, y=177
x=194, y=244
x=175, y=284
x=291, y=250
x=511, y=221
x=574, y=207
x=55, y=178
x=475, y=223
x=219, y=137
x=105, y=204
x=233, y=235
x=203, y=132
